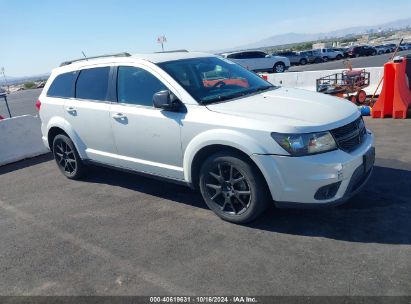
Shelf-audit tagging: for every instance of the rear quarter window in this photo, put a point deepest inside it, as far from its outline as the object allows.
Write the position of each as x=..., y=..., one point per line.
x=63, y=86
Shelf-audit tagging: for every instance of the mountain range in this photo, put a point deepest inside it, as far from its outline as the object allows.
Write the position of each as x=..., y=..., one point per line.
x=288, y=38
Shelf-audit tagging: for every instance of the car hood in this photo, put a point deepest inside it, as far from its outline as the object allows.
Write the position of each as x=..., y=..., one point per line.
x=291, y=110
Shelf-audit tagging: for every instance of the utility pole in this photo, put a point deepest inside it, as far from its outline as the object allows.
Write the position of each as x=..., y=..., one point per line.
x=161, y=40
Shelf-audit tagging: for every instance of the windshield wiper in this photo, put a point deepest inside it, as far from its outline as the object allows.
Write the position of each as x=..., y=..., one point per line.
x=263, y=88
x=236, y=95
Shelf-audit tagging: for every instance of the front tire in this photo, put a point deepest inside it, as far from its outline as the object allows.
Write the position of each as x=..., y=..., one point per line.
x=279, y=67
x=67, y=157
x=233, y=187
x=339, y=57
x=303, y=61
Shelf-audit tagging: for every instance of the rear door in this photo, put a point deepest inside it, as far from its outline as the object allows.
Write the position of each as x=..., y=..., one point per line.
x=240, y=58
x=248, y=61
x=88, y=113
x=260, y=61
x=293, y=57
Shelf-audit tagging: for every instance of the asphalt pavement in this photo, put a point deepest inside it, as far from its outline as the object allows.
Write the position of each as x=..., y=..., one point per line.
x=20, y=103
x=360, y=62
x=115, y=233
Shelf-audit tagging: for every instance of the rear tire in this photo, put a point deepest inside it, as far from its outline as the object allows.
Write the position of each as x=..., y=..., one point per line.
x=233, y=187
x=325, y=58
x=339, y=57
x=303, y=61
x=279, y=67
x=67, y=157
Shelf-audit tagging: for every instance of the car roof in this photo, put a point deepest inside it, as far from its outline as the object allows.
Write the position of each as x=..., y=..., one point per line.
x=150, y=57
x=171, y=56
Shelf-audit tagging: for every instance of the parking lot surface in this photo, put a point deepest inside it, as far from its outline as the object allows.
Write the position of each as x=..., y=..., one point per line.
x=20, y=103
x=361, y=62
x=115, y=233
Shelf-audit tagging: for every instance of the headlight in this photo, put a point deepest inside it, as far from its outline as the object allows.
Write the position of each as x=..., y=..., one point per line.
x=305, y=144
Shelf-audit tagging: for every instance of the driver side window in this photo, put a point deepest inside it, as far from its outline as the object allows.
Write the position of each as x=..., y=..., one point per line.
x=137, y=86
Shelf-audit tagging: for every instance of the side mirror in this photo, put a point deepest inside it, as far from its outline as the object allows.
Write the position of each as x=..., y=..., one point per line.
x=267, y=56
x=166, y=100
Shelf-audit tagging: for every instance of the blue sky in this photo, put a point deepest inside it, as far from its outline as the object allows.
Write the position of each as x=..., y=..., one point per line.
x=36, y=36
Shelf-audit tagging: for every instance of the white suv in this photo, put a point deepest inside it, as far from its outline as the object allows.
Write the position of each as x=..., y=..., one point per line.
x=328, y=54
x=206, y=122
x=258, y=61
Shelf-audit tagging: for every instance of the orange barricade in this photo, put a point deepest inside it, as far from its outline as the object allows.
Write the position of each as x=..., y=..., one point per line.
x=395, y=97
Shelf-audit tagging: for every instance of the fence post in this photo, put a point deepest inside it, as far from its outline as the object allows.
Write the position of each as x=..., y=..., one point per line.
x=7, y=104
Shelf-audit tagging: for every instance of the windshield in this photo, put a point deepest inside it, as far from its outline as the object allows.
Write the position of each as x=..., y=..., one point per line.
x=213, y=79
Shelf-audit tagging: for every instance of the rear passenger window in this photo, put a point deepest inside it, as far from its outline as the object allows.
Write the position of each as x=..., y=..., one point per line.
x=137, y=86
x=63, y=86
x=93, y=84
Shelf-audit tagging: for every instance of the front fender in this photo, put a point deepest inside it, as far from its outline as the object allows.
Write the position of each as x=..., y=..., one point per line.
x=60, y=122
x=230, y=138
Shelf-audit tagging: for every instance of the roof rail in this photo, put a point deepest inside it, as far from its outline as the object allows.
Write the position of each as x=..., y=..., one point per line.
x=174, y=51
x=124, y=54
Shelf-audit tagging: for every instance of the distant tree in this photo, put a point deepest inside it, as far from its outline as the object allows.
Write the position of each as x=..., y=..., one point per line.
x=29, y=85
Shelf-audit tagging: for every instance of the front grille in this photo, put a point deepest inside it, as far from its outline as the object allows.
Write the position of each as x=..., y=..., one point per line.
x=350, y=136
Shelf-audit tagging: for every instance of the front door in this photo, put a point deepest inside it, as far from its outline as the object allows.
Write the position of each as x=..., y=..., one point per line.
x=147, y=139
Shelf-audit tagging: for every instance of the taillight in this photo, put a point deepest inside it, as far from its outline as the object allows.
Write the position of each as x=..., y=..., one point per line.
x=38, y=104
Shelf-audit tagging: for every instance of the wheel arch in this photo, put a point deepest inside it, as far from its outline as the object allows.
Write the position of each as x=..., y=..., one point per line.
x=52, y=133
x=212, y=142
x=207, y=151
x=58, y=125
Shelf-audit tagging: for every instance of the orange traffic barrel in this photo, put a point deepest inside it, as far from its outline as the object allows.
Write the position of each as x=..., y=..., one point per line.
x=395, y=98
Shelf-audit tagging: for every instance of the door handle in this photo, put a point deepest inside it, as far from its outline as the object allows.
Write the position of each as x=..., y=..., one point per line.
x=119, y=116
x=71, y=110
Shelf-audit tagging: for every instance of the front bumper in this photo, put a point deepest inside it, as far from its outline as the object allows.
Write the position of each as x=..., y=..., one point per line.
x=294, y=181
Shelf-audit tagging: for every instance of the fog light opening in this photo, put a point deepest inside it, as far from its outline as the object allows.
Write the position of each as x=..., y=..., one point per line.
x=327, y=192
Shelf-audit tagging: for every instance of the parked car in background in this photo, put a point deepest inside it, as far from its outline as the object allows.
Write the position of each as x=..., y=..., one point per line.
x=406, y=46
x=259, y=61
x=41, y=84
x=342, y=50
x=391, y=47
x=362, y=50
x=328, y=54
x=382, y=49
x=313, y=56
x=296, y=58
x=244, y=146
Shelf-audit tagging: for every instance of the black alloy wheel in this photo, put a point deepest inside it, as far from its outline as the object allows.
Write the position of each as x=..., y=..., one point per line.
x=233, y=187
x=67, y=158
x=228, y=188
